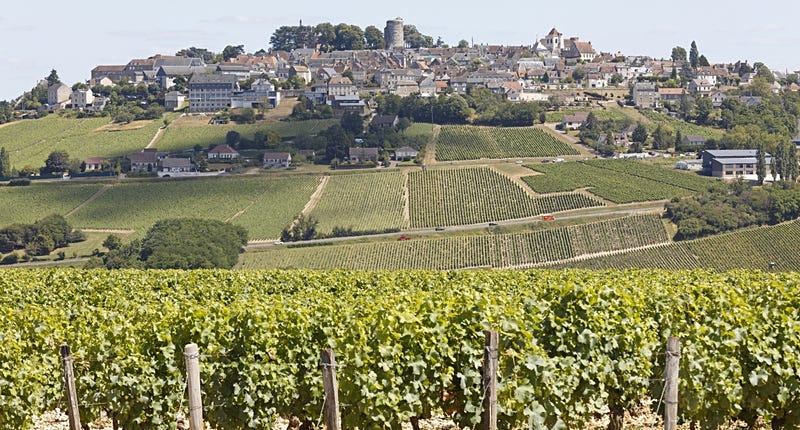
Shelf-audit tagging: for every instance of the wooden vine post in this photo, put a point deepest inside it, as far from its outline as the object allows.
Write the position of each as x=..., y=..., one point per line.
x=191, y=355
x=671, y=383
x=69, y=385
x=490, y=364
x=331, y=387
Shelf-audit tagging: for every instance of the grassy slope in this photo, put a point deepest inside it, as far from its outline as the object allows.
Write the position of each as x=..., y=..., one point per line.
x=262, y=205
x=189, y=131
x=30, y=142
x=27, y=204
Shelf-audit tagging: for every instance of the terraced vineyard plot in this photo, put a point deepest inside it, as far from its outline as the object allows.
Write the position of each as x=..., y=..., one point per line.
x=507, y=250
x=615, y=186
x=630, y=232
x=30, y=142
x=183, y=135
x=689, y=180
x=365, y=202
x=465, y=196
x=564, y=202
x=27, y=204
x=748, y=249
x=472, y=143
x=262, y=205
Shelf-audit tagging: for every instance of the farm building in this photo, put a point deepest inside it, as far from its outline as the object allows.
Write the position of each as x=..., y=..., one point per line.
x=405, y=152
x=732, y=163
x=223, y=152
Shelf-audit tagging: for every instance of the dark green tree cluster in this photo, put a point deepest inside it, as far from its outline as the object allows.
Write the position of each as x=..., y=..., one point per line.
x=183, y=243
x=304, y=228
x=6, y=111
x=341, y=37
x=39, y=238
x=725, y=207
x=306, y=109
x=262, y=139
x=6, y=171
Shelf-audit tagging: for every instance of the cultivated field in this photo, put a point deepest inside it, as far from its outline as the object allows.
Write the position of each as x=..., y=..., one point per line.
x=748, y=249
x=472, y=143
x=31, y=141
x=505, y=250
x=262, y=205
x=188, y=131
x=618, y=181
x=363, y=202
x=27, y=204
x=679, y=125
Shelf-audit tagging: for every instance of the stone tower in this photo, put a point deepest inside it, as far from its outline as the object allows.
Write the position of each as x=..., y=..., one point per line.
x=393, y=33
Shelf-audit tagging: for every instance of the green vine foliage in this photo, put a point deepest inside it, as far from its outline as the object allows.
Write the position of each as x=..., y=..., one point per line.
x=409, y=344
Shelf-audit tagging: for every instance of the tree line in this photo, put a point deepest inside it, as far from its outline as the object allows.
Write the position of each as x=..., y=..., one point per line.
x=39, y=238
x=729, y=206
x=343, y=37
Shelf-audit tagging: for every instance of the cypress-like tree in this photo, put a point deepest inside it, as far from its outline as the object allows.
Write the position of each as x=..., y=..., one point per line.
x=761, y=165
x=5, y=163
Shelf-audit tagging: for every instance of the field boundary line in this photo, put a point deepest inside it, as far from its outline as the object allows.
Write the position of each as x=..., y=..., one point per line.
x=91, y=198
x=157, y=137
x=583, y=257
x=406, y=200
x=107, y=230
x=430, y=148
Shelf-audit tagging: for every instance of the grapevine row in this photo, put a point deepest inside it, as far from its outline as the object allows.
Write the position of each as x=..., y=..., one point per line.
x=410, y=342
x=472, y=143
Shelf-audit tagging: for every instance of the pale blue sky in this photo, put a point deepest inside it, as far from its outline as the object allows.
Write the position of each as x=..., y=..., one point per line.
x=73, y=37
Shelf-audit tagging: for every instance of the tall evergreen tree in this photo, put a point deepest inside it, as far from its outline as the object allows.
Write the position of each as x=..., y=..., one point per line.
x=761, y=165
x=678, y=139
x=694, y=55
x=5, y=163
x=791, y=162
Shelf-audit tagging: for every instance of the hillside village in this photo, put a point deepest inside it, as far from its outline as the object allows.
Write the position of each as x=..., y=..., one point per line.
x=557, y=71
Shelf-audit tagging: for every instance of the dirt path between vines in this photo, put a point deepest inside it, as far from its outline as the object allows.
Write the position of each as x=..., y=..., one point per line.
x=155, y=138
x=312, y=202
x=91, y=198
x=430, y=149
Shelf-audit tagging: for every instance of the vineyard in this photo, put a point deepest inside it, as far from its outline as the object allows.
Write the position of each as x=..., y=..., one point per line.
x=601, y=114
x=31, y=141
x=477, y=195
x=748, y=249
x=472, y=143
x=572, y=343
x=27, y=204
x=187, y=132
x=679, y=125
x=363, y=202
x=264, y=206
x=619, y=181
x=498, y=251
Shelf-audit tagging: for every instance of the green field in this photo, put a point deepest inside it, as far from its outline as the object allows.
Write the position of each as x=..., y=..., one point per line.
x=363, y=202
x=619, y=181
x=27, y=204
x=601, y=114
x=472, y=143
x=747, y=249
x=29, y=142
x=187, y=132
x=262, y=205
x=498, y=251
x=679, y=125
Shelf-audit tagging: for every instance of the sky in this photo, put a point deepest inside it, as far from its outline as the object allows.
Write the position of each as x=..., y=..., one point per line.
x=74, y=37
